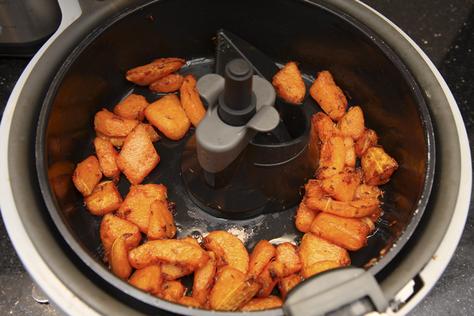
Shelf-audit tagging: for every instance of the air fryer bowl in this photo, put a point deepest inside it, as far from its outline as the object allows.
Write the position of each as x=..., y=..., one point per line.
x=70, y=271
x=318, y=37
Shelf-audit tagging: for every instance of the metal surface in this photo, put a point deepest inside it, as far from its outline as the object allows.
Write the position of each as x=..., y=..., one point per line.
x=25, y=25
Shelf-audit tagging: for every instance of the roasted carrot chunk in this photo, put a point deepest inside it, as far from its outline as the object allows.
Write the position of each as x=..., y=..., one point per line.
x=261, y=255
x=113, y=227
x=286, y=284
x=289, y=84
x=204, y=279
x=87, y=175
x=258, y=304
x=138, y=156
x=328, y=95
x=132, y=107
x=111, y=125
x=286, y=261
x=107, y=156
x=147, y=279
x=378, y=166
x=169, y=83
x=161, y=222
x=228, y=249
x=157, y=69
x=191, y=101
x=104, y=199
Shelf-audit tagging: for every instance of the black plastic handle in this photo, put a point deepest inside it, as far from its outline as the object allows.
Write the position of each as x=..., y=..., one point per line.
x=345, y=291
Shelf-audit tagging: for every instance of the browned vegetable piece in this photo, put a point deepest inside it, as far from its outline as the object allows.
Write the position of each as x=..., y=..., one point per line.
x=174, y=271
x=116, y=141
x=231, y=290
x=320, y=266
x=313, y=250
x=374, y=217
x=368, y=139
x=332, y=158
x=352, y=123
x=342, y=186
x=267, y=282
x=350, y=159
x=286, y=261
x=168, y=251
x=136, y=207
x=119, y=258
x=368, y=221
x=112, y=227
x=191, y=101
x=289, y=84
x=132, y=107
x=147, y=279
x=365, y=191
x=157, y=69
x=357, y=208
x=191, y=240
x=325, y=126
x=172, y=291
x=261, y=255
x=161, y=222
x=288, y=283
x=204, y=279
x=349, y=233
x=313, y=189
x=151, y=132
x=169, y=83
x=107, y=157
x=304, y=217
x=111, y=125
x=87, y=175
x=258, y=304
x=168, y=116
x=378, y=166
x=138, y=156
x=189, y=301
x=59, y=175
x=104, y=199
x=328, y=95
x=228, y=249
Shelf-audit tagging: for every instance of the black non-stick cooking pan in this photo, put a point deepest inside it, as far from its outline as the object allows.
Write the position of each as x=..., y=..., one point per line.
x=313, y=33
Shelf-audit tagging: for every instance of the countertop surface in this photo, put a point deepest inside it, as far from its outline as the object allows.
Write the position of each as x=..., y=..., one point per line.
x=444, y=29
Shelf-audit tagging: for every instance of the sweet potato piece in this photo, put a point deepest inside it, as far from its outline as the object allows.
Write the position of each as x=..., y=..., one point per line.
x=136, y=207
x=231, y=290
x=349, y=233
x=191, y=101
x=352, y=123
x=304, y=217
x=313, y=250
x=169, y=83
x=104, y=199
x=321, y=266
x=172, y=291
x=113, y=227
x=168, y=116
x=378, y=166
x=328, y=95
x=288, y=283
x=289, y=84
x=325, y=126
x=132, y=107
x=286, y=261
x=357, y=208
x=138, y=156
x=87, y=175
x=107, y=157
x=147, y=279
x=261, y=255
x=228, y=249
x=267, y=282
x=119, y=258
x=350, y=159
x=332, y=158
x=157, y=69
x=342, y=186
x=258, y=304
x=189, y=301
x=204, y=279
x=169, y=251
x=161, y=222
x=117, y=142
x=154, y=137
x=365, y=191
x=173, y=271
x=313, y=189
x=111, y=125
x=368, y=139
